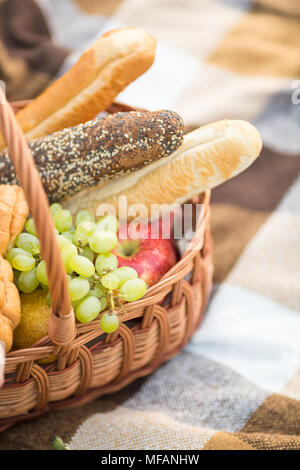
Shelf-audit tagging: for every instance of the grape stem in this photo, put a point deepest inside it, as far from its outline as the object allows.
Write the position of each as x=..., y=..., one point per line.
x=38, y=257
x=111, y=301
x=120, y=305
x=95, y=280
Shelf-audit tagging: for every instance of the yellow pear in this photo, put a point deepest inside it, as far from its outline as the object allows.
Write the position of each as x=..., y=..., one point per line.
x=34, y=319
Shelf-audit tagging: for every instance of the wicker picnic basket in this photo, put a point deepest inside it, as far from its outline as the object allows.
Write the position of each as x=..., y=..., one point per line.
x=89, y=363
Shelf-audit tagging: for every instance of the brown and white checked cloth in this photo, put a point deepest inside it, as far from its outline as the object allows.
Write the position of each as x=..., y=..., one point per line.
x=237, y=384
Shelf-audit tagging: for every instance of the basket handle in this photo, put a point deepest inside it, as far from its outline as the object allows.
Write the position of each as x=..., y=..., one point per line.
x=62, y=328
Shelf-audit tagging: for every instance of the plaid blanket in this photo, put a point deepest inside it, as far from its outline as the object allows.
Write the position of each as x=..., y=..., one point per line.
x=237, y=384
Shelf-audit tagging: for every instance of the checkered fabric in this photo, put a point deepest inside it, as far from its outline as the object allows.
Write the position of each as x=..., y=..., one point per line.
x=237, y=384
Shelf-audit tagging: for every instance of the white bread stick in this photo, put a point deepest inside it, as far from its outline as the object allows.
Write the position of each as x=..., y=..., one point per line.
x=208, y=156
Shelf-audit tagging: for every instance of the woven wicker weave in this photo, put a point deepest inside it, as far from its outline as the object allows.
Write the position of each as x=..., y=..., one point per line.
x=90, y=364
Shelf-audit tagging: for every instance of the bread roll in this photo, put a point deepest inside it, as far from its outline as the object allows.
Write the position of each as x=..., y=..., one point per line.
x=13, y=214
x=90, y=86
x=80, y=157
x=208, y=156
x=10, y=308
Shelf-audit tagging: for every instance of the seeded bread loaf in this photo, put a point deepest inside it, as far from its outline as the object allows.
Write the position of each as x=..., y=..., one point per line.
x=83, y=156
x=90, y=86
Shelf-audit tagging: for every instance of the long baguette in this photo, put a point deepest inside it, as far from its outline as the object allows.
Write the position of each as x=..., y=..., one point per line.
x=90, y=86
x=80, y=157
x=208, y=156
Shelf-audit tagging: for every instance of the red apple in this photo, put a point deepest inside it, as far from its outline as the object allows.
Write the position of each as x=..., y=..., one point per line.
x=151, y=258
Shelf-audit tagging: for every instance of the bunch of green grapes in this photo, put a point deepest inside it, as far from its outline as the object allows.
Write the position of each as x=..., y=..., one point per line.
x=95, y=281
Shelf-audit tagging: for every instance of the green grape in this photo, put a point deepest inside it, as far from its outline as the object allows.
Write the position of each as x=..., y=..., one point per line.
x=98, y=291
x=106, y=262
x=41, y=273
x=83, y=216
x=55, y=208
x=133, y=289
x=87, y=252
x=109, y=322
x=126, y=273
x=45, y=288
x=16, y=276
x=110, y=281
x=23, y=262
x=28, y=281
x=75, y=303
x=103, y=301
x=103, y=242
x=93, y=293
x=13, y=252
x=63, y=241
x=69, y=235
x=83, y=231
x=48, y=299
x=108, y=223
x=62, y=220
x=28, y=242
x=88, y=309
x=68, y=268
x=67, y=253
x=82, y=266
x=78, y=288
x=30, y=227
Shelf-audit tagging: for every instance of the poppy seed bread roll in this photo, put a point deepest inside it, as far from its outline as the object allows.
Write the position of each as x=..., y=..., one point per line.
x=111, y=63
x=208, y=156
x=79, y=157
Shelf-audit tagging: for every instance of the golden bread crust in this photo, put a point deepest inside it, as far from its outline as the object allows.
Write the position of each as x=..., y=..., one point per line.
x=13, y=213
x=10, y=307
x=90, y=86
